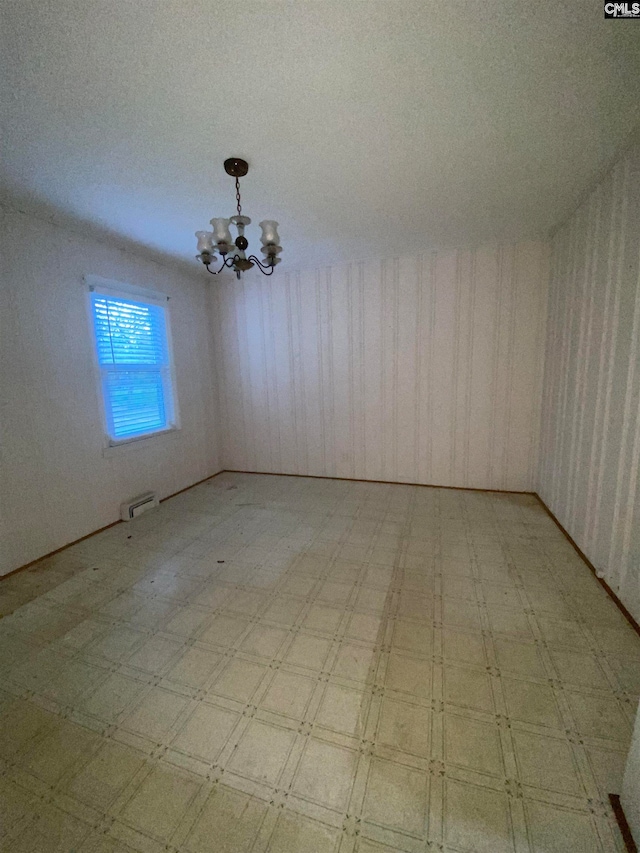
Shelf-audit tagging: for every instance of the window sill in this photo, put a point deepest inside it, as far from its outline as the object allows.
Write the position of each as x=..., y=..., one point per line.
x=145, y=441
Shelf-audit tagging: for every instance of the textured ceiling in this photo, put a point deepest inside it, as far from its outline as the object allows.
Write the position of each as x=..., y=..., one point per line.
x=371, y=127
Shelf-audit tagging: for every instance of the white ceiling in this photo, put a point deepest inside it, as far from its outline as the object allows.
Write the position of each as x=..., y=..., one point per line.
x=371, y=127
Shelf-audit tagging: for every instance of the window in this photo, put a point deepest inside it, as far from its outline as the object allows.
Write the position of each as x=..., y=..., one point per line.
x=134, y=360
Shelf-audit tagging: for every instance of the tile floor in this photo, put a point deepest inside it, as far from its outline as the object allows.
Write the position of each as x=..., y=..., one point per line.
x=303, y=665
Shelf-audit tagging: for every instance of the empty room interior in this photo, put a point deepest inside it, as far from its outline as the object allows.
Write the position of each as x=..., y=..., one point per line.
x=319, y=426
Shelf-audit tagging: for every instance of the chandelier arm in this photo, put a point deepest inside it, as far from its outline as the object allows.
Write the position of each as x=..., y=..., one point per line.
x=229, y=262
x=226, y=262
x=262, y=266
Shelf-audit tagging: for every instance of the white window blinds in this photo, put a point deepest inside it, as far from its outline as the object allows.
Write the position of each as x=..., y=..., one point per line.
x=134, y=361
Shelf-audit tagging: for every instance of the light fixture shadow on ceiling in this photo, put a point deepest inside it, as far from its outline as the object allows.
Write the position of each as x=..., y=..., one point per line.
x=92, y=231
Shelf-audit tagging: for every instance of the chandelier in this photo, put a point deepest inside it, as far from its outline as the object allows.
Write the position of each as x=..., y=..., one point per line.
x=232, y=252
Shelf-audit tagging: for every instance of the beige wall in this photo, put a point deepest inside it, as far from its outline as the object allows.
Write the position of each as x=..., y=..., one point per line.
x=419, y=369
x=55, y=483
x=590, y=452
x=630, y=796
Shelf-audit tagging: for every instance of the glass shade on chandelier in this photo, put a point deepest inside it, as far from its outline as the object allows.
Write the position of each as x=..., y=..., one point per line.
x=233, y=252
x=221, y=235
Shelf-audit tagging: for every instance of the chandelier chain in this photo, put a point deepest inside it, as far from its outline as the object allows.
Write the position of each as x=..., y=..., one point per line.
x=238, y=196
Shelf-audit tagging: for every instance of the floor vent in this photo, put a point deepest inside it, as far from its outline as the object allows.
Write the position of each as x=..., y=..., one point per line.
x=135, y=507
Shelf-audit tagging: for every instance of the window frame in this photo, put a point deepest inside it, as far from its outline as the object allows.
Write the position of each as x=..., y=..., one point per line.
x=124, y=290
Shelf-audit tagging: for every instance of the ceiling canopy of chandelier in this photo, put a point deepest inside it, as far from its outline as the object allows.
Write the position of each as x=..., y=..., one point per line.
x=232, y=252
